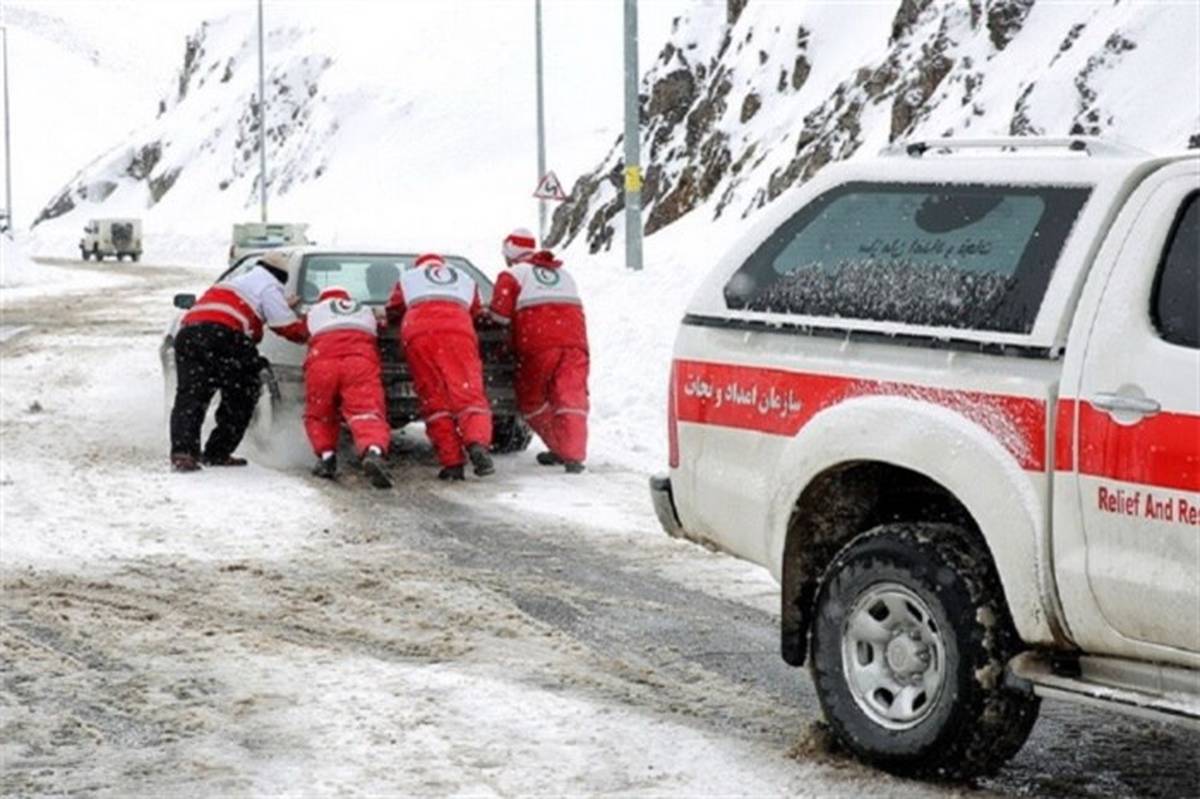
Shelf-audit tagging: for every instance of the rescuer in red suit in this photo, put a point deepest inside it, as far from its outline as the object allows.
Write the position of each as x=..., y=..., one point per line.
x=540, y=300
x=436, y=305
x=342, y=382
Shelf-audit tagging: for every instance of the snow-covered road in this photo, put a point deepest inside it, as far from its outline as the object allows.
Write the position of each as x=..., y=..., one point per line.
x=257, y=631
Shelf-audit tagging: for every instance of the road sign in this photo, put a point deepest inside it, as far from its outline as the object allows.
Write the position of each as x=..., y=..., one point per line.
x=549, y=188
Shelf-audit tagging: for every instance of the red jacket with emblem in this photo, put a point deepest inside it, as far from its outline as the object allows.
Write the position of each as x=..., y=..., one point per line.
x=339, y=327
x=247, y=303
x=541, y=300
x=434, y=299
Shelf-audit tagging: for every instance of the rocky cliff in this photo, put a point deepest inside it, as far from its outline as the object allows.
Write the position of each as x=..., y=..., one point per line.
x=750, y=98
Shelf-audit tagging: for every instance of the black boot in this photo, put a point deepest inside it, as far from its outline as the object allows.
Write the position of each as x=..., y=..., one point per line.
x=184, y=462
x=549, y=459
x=376, y=469
x=574, y=467
x=326, y=467
x=480, y=459
x=452, y=473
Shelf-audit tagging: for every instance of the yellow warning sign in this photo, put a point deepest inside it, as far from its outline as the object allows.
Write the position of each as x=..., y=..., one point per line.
x=633, y=178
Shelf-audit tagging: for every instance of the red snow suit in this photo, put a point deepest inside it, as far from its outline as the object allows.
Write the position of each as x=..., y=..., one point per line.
x=549, y=334
x=342, y=377
x=435, y=304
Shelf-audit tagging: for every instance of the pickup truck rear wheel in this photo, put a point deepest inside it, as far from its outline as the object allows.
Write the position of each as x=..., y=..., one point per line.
x=510, y=434
x=909, y=646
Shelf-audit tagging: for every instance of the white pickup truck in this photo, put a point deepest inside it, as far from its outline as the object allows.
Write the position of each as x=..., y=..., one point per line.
x=950, y=398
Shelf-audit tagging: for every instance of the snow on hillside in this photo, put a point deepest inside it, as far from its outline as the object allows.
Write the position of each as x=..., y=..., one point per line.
x=735, y=114
x=83, y=75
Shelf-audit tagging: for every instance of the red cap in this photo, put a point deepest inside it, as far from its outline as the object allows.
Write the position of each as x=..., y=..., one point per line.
x=429, y=259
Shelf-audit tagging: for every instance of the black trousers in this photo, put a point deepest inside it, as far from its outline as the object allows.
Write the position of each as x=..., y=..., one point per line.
x=211, y=358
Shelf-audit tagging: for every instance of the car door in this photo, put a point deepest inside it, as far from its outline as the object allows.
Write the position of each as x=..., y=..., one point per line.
x=1138, y=467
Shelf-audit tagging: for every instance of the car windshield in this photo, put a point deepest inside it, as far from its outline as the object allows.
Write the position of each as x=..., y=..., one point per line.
x=369, y=278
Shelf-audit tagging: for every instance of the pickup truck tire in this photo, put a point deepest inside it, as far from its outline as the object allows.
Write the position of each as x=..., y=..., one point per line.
x=510, y=434
x=910, y=640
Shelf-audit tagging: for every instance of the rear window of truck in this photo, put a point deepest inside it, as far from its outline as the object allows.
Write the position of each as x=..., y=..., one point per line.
x=962, y=256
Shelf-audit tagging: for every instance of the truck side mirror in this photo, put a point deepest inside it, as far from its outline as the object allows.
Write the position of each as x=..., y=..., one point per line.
x=184, y=301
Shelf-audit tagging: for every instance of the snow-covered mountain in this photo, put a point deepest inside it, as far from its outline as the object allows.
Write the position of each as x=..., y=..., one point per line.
x=749, y=98
x=77, y=86
x=387, y=123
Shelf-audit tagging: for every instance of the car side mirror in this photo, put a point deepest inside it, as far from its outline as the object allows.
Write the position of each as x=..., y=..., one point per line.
x=184, y=301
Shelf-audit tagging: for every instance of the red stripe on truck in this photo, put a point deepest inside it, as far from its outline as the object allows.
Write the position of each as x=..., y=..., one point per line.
x=780, y=402
x=1161, y=450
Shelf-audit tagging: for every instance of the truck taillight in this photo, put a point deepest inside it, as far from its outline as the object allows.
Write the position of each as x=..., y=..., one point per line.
x=672, y=424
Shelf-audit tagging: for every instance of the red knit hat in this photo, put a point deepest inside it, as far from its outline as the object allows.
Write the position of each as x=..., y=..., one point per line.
x=518, y=245
x=333, y=293
x=429, y=259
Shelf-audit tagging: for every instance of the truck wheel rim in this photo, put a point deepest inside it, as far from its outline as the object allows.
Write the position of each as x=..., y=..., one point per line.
x=893, y=656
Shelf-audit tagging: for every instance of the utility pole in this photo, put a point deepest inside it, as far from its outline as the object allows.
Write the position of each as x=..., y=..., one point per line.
x=7, y=144
x=633, y=167
x=262, y=121
x=541, y=122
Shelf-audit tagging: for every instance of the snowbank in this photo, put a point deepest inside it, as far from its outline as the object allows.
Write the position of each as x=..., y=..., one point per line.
x=15, y=267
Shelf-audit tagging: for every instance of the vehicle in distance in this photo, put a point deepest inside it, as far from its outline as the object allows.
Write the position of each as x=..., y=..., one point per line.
x=258, y=236
x=369, y=277
x=111, y=238
x=950, y=398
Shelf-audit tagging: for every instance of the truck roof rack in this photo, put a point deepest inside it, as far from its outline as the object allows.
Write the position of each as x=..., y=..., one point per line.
x=1089, y=145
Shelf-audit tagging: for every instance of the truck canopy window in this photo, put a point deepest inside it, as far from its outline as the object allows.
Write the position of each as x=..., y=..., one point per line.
x=961, y=256
x=1176, y=301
